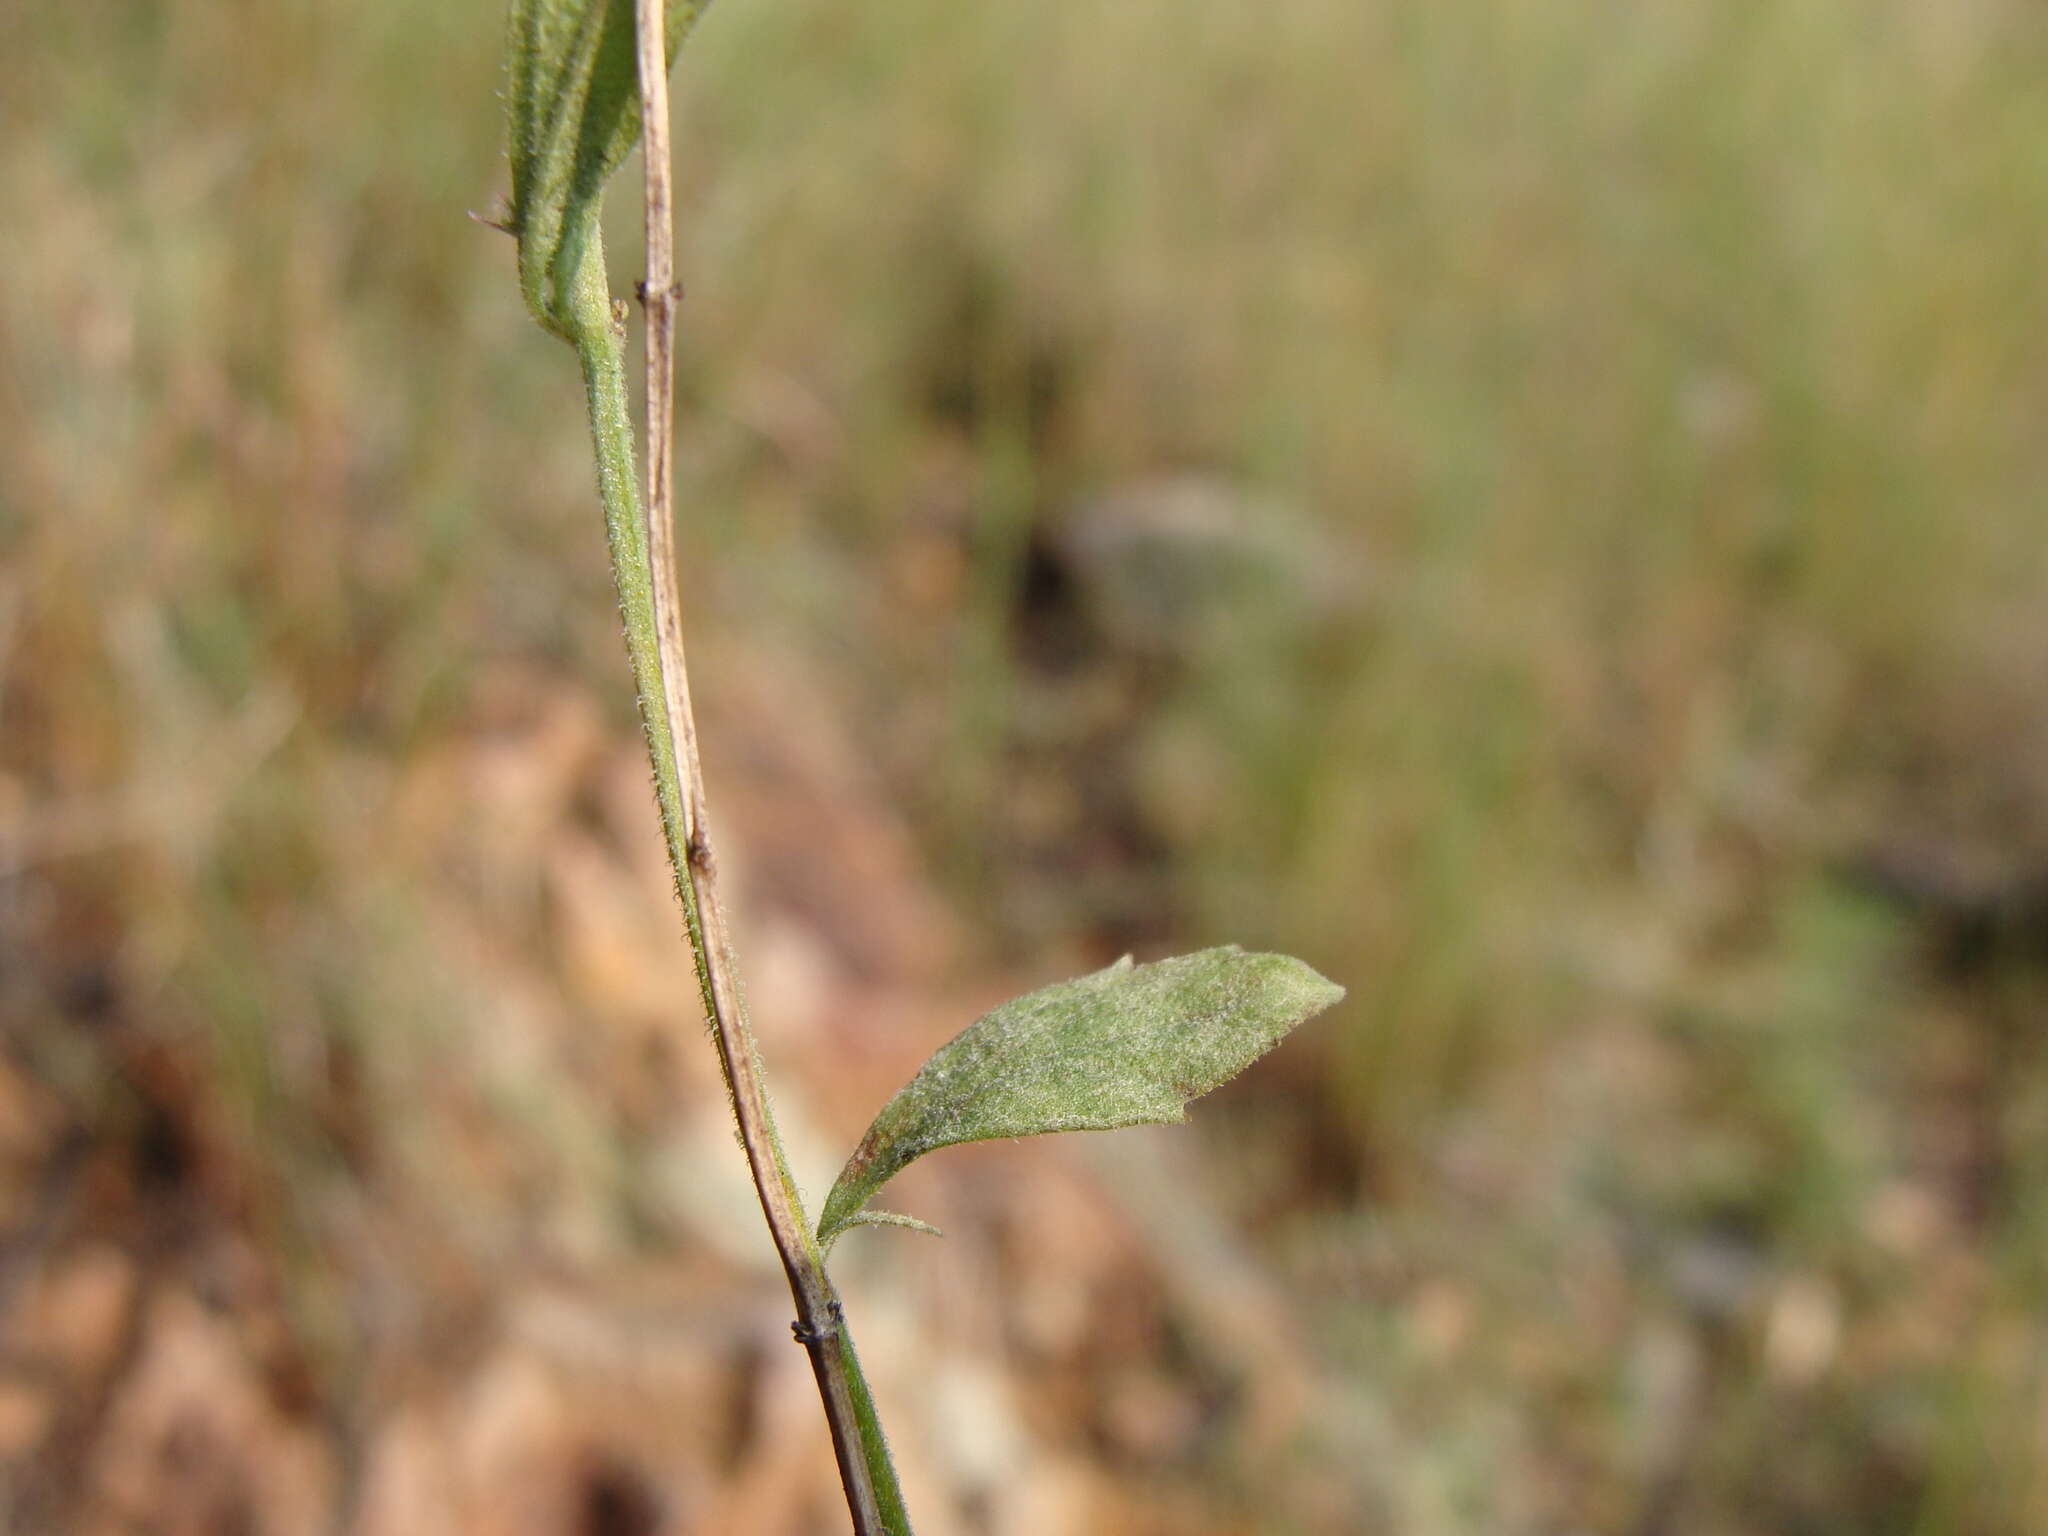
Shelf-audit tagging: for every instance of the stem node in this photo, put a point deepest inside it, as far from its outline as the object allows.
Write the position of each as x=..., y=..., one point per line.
x=672, y=737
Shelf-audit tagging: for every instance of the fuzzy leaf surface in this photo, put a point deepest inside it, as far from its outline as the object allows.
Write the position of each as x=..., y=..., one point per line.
x=1129, y=1045
x=573, y=110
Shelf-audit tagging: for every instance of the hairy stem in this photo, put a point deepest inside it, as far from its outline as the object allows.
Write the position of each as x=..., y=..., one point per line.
x=644, y=567
x=670, y=730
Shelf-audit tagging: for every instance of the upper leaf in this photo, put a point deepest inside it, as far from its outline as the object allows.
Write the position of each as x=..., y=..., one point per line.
x=1129, y=1045
x=573, y=110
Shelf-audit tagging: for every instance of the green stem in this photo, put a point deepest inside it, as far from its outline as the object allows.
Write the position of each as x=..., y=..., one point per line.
x=874, y=1497
x=875, y=1445
x=601, y=351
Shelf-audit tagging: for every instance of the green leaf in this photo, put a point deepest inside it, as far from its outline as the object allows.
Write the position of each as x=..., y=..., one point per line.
x=1129, y=1045
x=573, y=107
x=891, y=1219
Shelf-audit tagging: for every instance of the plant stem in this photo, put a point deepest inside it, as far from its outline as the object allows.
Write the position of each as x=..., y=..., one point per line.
x=643, y=561
x=600, y=349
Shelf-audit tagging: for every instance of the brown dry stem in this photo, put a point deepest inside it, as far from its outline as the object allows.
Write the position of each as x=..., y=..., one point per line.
x=818, y=1318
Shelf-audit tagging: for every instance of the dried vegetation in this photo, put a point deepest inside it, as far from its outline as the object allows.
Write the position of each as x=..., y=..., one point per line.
x=1536, y=506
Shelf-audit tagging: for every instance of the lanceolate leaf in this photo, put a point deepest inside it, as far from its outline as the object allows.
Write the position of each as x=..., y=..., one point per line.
x=1126, y=1046
x=573, y=100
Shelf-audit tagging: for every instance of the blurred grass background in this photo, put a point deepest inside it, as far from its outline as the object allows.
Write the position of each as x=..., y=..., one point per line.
x=1537, y=507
